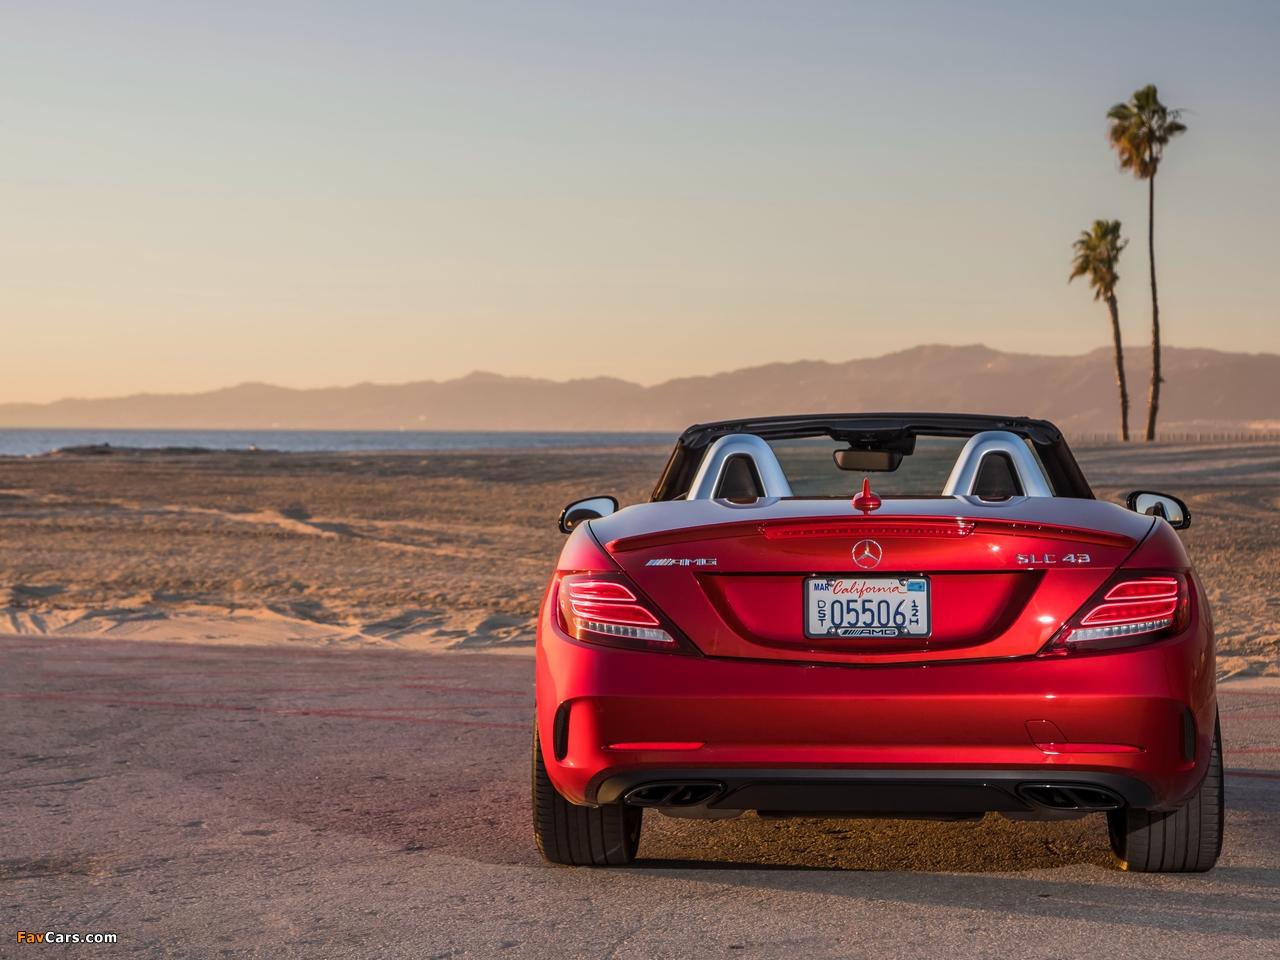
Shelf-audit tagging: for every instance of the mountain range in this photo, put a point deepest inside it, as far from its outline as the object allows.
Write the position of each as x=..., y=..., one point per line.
x=1204, y=389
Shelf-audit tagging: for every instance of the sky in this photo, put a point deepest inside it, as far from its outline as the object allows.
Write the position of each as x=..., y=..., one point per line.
x=197, y=194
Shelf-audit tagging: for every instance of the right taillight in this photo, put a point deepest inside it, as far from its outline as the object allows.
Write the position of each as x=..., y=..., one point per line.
x=604, y=608
x=1130, y=609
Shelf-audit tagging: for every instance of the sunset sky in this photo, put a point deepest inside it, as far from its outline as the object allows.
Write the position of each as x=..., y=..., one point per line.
x=195, y=194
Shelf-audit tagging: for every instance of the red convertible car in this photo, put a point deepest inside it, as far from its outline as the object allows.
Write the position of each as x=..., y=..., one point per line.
x=922, y=616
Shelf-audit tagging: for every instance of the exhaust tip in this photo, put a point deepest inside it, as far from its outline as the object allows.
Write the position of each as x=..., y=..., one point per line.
x=1070, y=796
x=674, y=793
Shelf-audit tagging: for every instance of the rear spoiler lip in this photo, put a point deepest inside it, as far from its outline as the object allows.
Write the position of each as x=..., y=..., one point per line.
x=872, y=527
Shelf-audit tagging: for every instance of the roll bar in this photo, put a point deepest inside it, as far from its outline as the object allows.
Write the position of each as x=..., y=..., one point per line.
x=707, y=480
x=981, y=445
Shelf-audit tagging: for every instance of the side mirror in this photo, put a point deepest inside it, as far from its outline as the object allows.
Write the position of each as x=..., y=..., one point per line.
x=1153, y=504
x=589, y=509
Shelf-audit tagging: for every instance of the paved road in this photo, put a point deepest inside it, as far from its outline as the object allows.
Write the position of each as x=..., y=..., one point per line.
x=200, y=801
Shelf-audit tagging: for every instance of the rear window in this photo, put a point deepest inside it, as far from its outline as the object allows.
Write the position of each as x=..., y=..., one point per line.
x=810, y=467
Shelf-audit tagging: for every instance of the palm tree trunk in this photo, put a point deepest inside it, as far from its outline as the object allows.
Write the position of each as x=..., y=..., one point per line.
x=1153, y=403
x=1124, y=389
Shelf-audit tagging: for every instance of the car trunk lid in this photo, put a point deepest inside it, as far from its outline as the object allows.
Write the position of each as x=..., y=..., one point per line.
x=1001, y=581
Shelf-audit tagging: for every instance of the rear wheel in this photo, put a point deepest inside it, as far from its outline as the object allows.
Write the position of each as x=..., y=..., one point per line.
x=1187, y=840
x=607, y=835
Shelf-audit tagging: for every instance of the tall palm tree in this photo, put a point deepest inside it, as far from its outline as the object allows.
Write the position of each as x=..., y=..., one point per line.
x=1139, y=131
x=1097, y=253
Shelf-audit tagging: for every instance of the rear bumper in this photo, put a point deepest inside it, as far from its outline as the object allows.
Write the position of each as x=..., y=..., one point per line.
x=917, y=739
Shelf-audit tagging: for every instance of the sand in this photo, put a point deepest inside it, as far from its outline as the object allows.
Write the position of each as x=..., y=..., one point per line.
x=440, y=551
x=452, y=550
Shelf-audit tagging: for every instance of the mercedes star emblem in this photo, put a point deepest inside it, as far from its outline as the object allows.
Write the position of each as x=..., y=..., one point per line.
x=867, y=553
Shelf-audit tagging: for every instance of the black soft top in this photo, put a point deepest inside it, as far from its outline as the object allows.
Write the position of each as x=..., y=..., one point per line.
x=870, y=431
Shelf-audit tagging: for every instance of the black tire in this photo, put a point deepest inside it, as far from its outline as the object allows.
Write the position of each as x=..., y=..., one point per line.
x=607, y=835
x=1187, y=840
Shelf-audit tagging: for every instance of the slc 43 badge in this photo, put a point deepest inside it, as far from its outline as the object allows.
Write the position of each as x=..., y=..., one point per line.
x=1027, y=558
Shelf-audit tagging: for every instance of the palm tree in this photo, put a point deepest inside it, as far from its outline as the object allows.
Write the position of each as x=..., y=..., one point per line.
x=1139, y=131
x=1097, y=253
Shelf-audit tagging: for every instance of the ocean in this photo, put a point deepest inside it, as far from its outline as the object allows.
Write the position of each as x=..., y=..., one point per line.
x=28, y=442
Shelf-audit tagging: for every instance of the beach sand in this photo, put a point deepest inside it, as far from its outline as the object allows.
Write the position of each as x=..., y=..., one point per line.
x=452, y=550
x=427, y=551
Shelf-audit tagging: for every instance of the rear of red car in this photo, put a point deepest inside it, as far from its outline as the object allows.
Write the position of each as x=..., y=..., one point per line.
x=943, y=657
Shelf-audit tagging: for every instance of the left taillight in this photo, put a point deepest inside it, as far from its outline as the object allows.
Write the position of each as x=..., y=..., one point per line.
x=1130, y=609
x=604, y=608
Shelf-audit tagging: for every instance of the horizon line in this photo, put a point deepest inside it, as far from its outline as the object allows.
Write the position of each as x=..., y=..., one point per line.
x=477, y=373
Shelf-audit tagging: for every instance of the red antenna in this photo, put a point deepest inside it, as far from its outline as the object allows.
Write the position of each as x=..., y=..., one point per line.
x=866, y=501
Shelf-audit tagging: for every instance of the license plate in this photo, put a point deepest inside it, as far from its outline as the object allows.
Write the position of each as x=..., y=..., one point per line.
x=866, y=607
